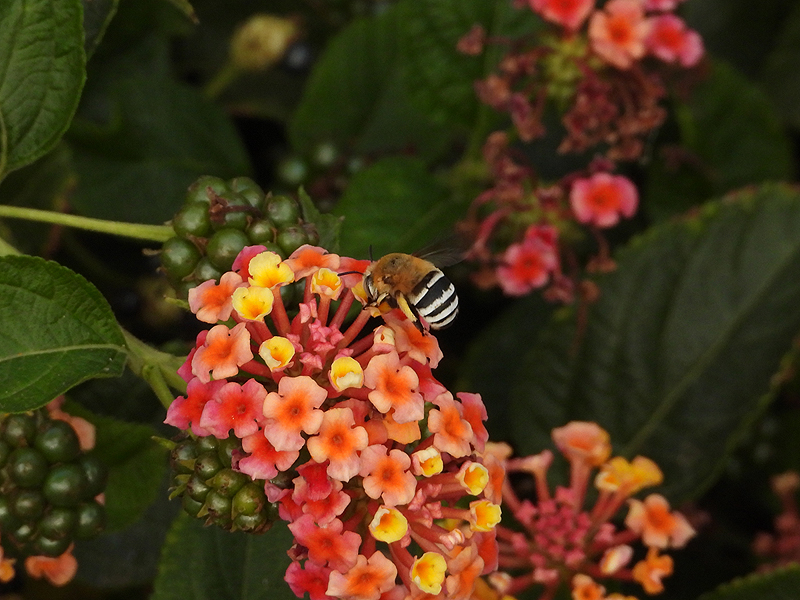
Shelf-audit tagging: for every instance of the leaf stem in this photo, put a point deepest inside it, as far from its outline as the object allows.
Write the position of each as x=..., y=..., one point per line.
x=7, y=249
x=139, y=231
x=223, y=78
x=159, y=369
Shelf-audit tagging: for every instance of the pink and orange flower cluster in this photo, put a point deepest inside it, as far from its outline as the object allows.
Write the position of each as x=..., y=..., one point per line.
x=604, y=69
x=378, y=469
x=557, y=540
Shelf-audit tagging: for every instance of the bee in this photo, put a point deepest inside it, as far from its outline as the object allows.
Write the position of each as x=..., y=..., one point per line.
x=414, y=285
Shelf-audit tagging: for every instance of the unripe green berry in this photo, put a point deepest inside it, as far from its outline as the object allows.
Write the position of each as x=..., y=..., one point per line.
x=291, y=238
x=44, y=546
x=179, y=257
x=218, y=507
x=227, y=482
x=60, y=522
x=191, y=506
x=256, y=523
x=207, y=465
x=283, y=210
x=292, y=171
x=96, y=475
x=249, y=500
x=192, y=220
x=57, y=441
x=91, y=520
x=65, y=485
x=230, y=211
x=324, y=154
x=199, y=190
x=27, y=467
x=205, y=271
x=224, y=246
x=20, y=429
x=207, y=444
x=226, y=449
x=28, y=505
x=182, y=455
x=261, y=231
x=197, y=489
x=5, y=452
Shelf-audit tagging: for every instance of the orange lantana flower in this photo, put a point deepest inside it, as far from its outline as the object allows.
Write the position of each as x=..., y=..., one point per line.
x=656, y=524
x=339, y=441
x=292, y=409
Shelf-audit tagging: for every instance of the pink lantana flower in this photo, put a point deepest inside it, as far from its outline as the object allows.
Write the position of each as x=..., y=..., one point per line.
x=293, y=409
x=222, y=353
x=527, y=265
x=617, y=33
x=185, y=411
x=567, y=13
x=262, y=460
x=212, y=301
x=237, y=407
x=602, y=198
x=673, y=42
x=661, y=5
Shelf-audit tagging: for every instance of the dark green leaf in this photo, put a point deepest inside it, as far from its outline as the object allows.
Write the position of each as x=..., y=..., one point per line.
x=732, y=137
x=355, y=98
x=677, y=355
x=328, y=226
x=186, y=8
x=781, y=76
x=42, y=70
x=782, y=584
x=56, y=331
x=395, y=205
x=439, y=77
x=208, y=563
x=136, y=158
x=136, y=465
x=97, y=14
x=38, y=185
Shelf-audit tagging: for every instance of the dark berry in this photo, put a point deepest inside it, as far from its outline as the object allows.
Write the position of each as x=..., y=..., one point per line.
x=65, y=485
x=57, y=441
x=28, y=467
x=96, y=475
x=28, y=505
x=44, y=546
x=58, y=523
x=179, y=257
x=20, y=429
x=91, y=520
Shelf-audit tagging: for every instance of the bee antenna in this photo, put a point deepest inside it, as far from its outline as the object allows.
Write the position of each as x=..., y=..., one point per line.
x=350, y=273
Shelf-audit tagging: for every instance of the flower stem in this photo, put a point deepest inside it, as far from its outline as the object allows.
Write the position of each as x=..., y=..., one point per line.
x=7, y=249
x=139, y=231
x=224, y=77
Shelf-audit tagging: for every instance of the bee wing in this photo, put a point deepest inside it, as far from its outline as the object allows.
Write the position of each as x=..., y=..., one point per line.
x=446, y=251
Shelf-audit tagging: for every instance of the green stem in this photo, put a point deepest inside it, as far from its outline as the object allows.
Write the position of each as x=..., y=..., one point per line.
x=7, y=249
x=139, y=231
x=224, y=77
x=157, y=368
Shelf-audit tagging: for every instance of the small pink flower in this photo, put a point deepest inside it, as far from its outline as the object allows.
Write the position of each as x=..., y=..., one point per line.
x=236, y=407
x=184, y=411
x=671, y=41
x=617, y=33
x=602, y=198
x=568, y=13
x=222, y=353
x=527, y=265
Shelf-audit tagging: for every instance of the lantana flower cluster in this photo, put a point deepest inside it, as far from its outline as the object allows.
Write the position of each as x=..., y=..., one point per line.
x=604, y=69
x=558, y=540
x=782, y=546
x=377, y=468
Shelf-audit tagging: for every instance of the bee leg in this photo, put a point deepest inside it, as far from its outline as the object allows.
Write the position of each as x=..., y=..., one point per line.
x=410, y=311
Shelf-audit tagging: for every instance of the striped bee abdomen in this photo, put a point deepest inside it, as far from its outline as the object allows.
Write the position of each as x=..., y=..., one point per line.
x=435, y=299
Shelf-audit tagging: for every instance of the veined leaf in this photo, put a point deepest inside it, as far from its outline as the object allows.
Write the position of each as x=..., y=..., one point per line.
x=677, y=355
x=777, y=585
x=208, y=563
x=42, y=70
x=56, y=331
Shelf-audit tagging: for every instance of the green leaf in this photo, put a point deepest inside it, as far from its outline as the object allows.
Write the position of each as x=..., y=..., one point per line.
x=439, y=78
x=677, y=355
x=136, y=464
x=97, y=15
x=733, y=137
x=56, y=331
x=136, y=159
x=395, y=205
x=186, y=8
x=208, y=563
x=328, y=226
x=355, y=98
x=781, y=584
x=42, y=70
x=781, y=76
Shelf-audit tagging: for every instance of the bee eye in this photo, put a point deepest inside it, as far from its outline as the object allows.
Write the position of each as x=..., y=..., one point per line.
x=368, y=287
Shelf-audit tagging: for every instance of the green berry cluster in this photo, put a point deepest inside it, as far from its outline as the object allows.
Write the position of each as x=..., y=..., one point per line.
x=218, y=219
x=47, y=486
x=210, y=489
